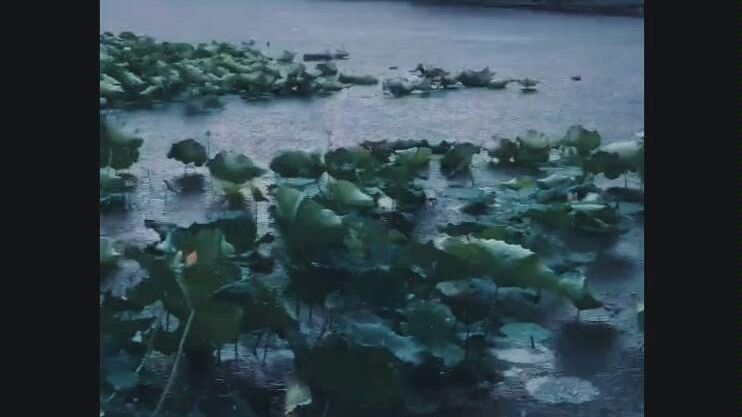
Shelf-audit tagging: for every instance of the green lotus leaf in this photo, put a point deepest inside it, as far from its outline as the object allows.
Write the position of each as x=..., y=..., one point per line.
x=297, y=164
x=233, y=167
x=458, y=159
x=347, y=194
x=513, y=266
x=188, y=151
x=583, y=140
x=432, y=324
x=109, y=256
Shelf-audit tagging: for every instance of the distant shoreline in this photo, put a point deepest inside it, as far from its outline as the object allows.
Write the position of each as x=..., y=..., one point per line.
x=583, y=7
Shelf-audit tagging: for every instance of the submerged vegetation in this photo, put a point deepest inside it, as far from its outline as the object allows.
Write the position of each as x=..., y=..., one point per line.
x=364, y=308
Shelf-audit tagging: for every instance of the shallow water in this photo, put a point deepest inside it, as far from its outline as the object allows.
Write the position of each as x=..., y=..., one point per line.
x=606, y=51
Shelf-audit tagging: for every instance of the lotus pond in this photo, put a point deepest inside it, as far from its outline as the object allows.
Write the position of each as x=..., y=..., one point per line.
x=387, y=278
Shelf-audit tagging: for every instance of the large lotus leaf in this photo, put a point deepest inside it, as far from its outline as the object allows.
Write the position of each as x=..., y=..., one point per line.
x=262, y=307
x=188, y=151
x=582, y=139
x=415, y=158
x=316, y=218
x=347, y=194
x=111, y=183
x=380, y=287
x=119, y=149
x=557, y=216
x=512, y=266
x=505, y=151
x=574, y=287
x=233, y=167
x=203, y=243
x=239, y=229
x=433, y=325
x=533, y=148
x=351, y=163
x=297, y=395
x=297, y=164
x=108, y=254
x=470, y=300
x=288, y=201
x=160, y=285
x=369, y=240
x=294, y=208
x=380, y=335
x=617, y=158
x=518, y=184
x=597, y=218
x=314, y=282
x=458, y=159
x=214, y=322
x=355, y=377
x=554, y=181
x=523, y=332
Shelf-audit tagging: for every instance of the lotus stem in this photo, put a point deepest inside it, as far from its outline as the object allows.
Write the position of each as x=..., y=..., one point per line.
x=149, y=349
x=323, y=329
x=174, y=371
x=257, y=343
x=327, y=409
x=533, y=342
x=237, y=353
x=265, y=349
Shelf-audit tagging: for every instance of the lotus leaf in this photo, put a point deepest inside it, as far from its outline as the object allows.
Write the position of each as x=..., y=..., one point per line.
x=297, y=164
x=233, y=167
x=188, y=151
x=513, y=266
x=109, y=256
x=433, y=325
x=583, y=140
x=347, y=194
x=458, y=159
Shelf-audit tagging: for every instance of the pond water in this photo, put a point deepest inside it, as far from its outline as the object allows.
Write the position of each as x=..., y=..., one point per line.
x=608, y=53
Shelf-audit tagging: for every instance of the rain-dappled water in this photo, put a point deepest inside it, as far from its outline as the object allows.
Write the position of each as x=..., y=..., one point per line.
x=606, y=51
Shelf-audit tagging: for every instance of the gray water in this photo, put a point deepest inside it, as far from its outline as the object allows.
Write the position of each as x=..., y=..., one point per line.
x=608, y=52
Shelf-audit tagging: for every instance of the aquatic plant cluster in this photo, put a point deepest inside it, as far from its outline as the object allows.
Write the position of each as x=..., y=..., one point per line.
x=138, y=71
x=377, y=314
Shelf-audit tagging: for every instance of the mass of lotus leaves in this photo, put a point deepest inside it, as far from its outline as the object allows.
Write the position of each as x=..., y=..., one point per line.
x=393, y=295
x=139, y=71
